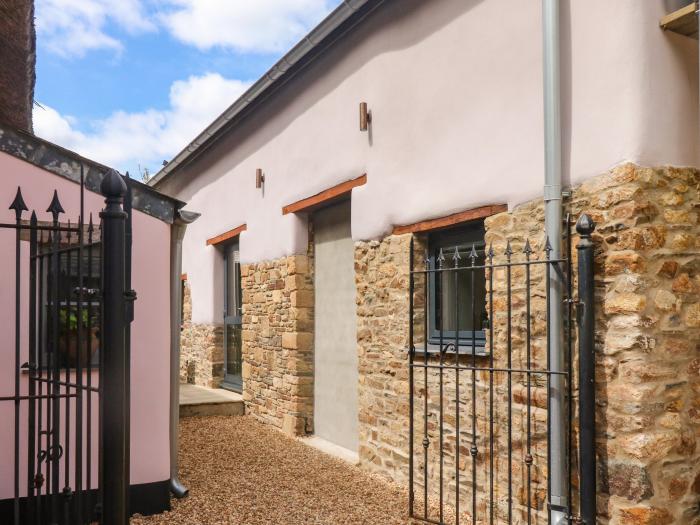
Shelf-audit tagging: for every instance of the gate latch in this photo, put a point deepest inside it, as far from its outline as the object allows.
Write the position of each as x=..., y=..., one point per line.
x=578, y=306
x=129, y=297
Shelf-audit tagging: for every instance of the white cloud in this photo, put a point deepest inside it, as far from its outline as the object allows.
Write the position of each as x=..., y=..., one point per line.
x=263, y=26
x=127, y=140
x=73, y=27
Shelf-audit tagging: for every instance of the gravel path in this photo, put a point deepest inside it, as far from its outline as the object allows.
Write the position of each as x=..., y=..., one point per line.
x=241, y=472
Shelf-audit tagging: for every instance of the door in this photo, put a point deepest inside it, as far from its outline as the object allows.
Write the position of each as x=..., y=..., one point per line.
x=335, y=350
x=232, y=318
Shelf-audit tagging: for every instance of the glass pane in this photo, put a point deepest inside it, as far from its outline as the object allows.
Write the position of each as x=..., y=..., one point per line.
x=232, y=281
x=233, y=349
x=456, y=302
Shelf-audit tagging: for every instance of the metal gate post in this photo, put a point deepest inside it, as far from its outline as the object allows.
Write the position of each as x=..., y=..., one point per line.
x=587, y=448
x=115, y=406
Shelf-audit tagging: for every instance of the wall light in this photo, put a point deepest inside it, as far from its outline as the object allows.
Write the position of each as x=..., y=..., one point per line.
x=365, y=116
x=259, y=178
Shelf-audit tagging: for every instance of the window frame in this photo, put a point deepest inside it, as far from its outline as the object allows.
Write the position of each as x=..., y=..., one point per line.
x=230, y=248
x=463, y=236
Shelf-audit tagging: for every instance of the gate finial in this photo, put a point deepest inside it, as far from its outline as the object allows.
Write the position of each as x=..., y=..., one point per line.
x=473, y=255
x=55, y=207
x=113, y=185
x=456, y=257
x=585, y=225
x=509, y=250
x=440, y=259
x=18, y=204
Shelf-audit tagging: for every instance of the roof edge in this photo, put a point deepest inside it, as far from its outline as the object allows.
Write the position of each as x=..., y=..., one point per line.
x=67, y=164
x=281, y=69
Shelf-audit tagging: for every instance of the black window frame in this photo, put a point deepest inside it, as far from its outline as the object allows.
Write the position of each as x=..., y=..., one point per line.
x=462, y=237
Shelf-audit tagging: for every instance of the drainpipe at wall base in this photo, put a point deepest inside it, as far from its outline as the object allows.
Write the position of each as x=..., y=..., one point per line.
x=183, y=218
x=553, y=227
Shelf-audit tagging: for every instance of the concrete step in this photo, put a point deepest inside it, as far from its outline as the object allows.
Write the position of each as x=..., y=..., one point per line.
x=201, y=401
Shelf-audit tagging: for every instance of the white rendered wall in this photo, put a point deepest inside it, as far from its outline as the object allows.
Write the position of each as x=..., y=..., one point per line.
x=455, y=89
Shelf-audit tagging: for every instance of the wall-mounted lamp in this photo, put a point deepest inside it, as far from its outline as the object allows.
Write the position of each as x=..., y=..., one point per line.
x=259, y=178
x=365, y=116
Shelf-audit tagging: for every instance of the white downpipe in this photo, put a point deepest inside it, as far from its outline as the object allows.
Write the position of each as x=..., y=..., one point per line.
x=553, y=229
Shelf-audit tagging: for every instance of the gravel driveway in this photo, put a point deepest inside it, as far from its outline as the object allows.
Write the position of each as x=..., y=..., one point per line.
x=241, y=472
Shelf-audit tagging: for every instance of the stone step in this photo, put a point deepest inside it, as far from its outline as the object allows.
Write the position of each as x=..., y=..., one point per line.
x=197, y=401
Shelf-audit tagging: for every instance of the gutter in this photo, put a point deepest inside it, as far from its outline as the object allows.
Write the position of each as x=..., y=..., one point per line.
x=284, y=69
x=558, y=481
x=183, y=219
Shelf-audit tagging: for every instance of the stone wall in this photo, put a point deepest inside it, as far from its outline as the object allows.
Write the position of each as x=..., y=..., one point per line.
x=278, y=305
x=648, y=327
x=201, y=348
x=382, y=270
x=648, y=337
x=381, y=277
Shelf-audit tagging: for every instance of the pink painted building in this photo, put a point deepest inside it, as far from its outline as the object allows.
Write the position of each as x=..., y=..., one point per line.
x=40, y=168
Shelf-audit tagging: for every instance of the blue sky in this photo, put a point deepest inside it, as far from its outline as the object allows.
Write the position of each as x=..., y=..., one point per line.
x=130, y=83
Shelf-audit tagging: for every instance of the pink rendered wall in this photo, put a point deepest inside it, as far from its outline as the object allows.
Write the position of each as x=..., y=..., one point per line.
x=150, y=388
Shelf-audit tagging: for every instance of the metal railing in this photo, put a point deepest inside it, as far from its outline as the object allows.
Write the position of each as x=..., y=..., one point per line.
x=70, y=352
x=479, y=419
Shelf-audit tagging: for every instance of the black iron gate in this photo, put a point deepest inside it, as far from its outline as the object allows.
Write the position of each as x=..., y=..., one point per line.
x=65, y=335
x=481, y=414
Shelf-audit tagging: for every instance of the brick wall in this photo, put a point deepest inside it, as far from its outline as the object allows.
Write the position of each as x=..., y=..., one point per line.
x=17, y=76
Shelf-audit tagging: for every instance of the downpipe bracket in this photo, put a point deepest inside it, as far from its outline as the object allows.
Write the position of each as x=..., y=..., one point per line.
x=552, y=192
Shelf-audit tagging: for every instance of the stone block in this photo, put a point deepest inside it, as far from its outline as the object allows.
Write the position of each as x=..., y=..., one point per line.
x=646, y=238
x=666, y=301
x=625, y=303
x=692, y=316
x=668, y=269
x=302, y=298
x=618, y=262
x=645, y=516
x=297, y=341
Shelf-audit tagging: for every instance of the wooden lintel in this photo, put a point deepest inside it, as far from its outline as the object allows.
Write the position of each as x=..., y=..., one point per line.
x=324, y=197
x=227, y=235
x=456, y=218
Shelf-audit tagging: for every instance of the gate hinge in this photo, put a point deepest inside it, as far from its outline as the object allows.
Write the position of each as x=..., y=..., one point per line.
x=130, y=297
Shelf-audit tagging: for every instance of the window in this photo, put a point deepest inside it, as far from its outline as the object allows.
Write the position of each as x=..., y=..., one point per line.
x=458, y=298
x=232, y=317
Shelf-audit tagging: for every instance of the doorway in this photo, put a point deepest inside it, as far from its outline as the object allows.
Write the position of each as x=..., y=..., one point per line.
x=232, y=318
x=335, y=339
